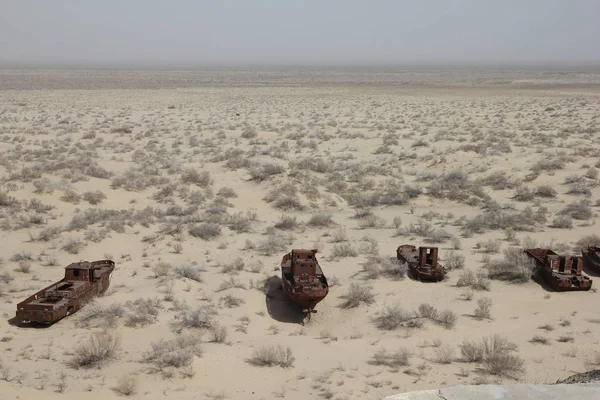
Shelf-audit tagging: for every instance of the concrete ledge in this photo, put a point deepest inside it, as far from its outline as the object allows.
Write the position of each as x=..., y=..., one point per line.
x=505, y=392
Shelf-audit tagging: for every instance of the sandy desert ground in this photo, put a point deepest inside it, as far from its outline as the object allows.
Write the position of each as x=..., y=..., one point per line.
x=197, y=183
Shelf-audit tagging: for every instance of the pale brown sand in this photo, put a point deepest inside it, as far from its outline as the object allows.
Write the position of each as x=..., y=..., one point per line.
x=345, y=122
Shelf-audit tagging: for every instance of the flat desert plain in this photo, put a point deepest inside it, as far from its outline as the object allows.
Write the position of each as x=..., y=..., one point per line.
x=197, y=183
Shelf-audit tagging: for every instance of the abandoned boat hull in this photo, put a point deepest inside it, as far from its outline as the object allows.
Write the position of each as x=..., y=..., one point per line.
x=591, y=258
x=82, y=281
x=566, y=284
x=561, y=273
x=304, y=300
x=427, y=274
x=303, y=280
x=422, y=262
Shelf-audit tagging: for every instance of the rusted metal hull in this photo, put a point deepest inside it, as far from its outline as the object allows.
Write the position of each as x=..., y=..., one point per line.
x=591, y=258
x=303, y=280
x=420, y=268
x=561, y=273
x=566, y=283
x=305, y=299
x=66, y=296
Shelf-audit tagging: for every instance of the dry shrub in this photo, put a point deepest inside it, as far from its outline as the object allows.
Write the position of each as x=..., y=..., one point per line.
x=271, y=355
x=198, y=318
x=371, y=221
x=288, y=203
x=497, y=355
x=342, y=250
x=484, y=307
x=103, y=317
x=70, y=196
x=444, y=354
x=161, y=269
x=454, y=260
x=177, y=353
x=127, y=385
x=94, y=197
x=469, y=279
x=272, y=244
x=339, y=235
x=142, y=312
x=47, y=234
x=499, y=359
x=218, y=334
x=231, y=301
x=358, y=294
x=22, y=255
x=471, y=351
x=589, y=240
x=239, y=222
x=24, y=266
x=400, y=358
x=538, y=339
x=428, y=311
x=491, y=246
x=578, y=210
x=189, y=271
x=466, y=278
x=192, y=176
x=321, y=220
x=545, y=191
x=205, y=230
x=265, y=171
x=99, y=348
x=515, y=267
x=73, y=246
x=391, y=267
x=447, y=319
x=233, y=267
x=562, y=222
x=287, y=223
x=392, y=318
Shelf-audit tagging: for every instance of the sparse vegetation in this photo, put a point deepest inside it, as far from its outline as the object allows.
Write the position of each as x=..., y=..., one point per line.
x=271, y=356
x=358, y=294
x=97, y=349
x=515, y=267
x=177, y=353
x=399, y=358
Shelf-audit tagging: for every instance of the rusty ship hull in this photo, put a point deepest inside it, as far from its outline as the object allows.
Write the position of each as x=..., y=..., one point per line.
x=422, y=262
x=82, y=281
x=591, y=258
x=303, y=280
x=561, y=273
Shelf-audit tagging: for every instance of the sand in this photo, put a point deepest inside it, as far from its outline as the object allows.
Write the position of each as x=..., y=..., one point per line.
x=161, y=145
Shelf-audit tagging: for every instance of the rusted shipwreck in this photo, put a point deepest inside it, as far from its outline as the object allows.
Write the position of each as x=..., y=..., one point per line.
x=591, y=258
x=561, y=272
x=82, y=281
x=422, y=262
x=303, y=280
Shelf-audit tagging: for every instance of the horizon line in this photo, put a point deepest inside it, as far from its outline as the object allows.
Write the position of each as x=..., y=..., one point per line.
x=181, y=65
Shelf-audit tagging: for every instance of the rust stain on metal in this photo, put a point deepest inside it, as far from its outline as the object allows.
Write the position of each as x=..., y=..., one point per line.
x=82, y=281
x=422, y=262
x=561, y=272
x=303, y=279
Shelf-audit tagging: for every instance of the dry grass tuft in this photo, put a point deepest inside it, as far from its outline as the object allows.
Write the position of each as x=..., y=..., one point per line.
x=127, y=385
x=271, y=356
x=177, y=353
x=99, y=347
x=399, y=358
x=358, y=294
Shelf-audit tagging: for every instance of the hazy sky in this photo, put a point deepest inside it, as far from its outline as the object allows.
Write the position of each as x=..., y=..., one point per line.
x=312, y=32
